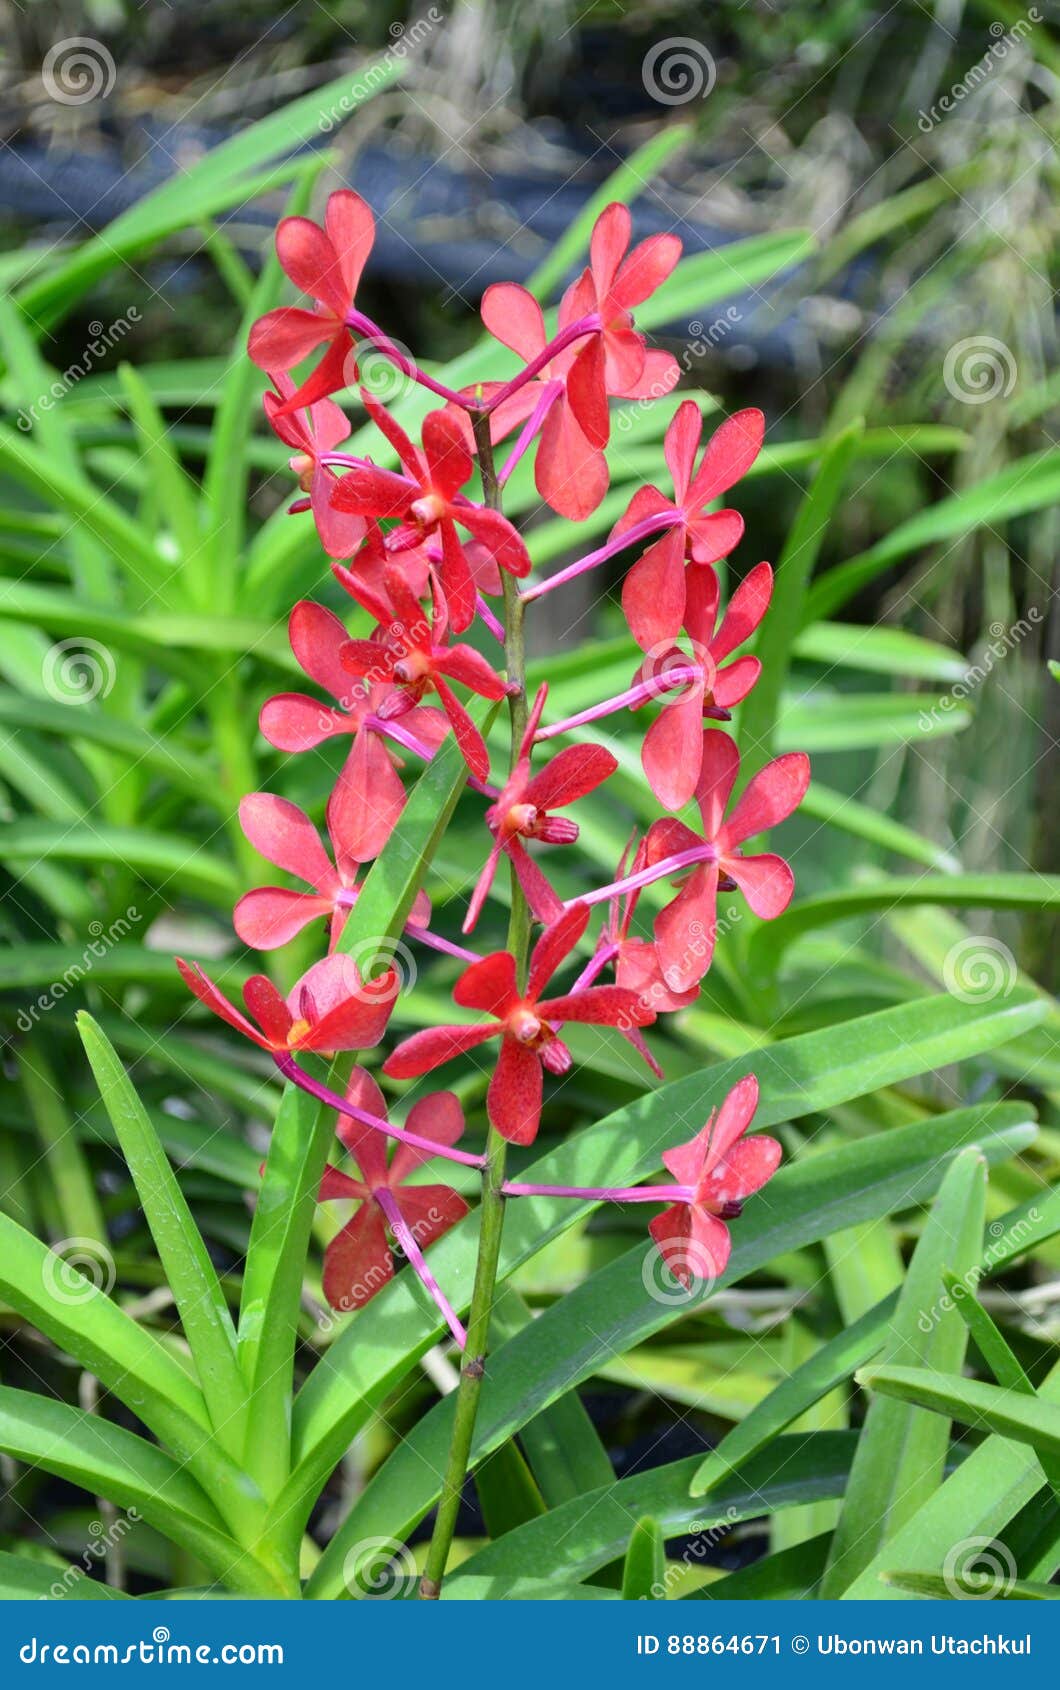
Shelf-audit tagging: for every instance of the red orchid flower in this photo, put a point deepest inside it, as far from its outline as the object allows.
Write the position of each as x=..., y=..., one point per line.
x=426, y=499
x=523, y=810
x=716, y=1171
x=570, y=473
x=311, y=435
x=415, y=655
x=325, y=263
x=613, y=360
x=653, y=594
x=331, y=1008
x=358, y=1262
x=524, y=1023
x=371, y=794
x=636, y=960
x=673, y=745
x=685, y=929
x=270, y=916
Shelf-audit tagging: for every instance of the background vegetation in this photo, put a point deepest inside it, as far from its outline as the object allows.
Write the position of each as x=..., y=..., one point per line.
x=877, y=272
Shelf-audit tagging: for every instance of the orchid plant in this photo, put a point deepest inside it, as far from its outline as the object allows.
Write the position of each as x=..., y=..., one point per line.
x=418, y=554
x=171, y=1360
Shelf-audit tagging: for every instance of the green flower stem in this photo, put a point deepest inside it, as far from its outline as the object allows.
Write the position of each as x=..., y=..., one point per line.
x=491, y=1210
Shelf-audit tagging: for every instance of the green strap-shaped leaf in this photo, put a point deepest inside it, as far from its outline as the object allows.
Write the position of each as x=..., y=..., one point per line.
x=61, y=488
x=23, y=1580
x=825, y=719
x=1022, y=1230
x=820, y=1373
x=838, y=810
x=109, y=1461
x=787, y=1575
x=160, y=857
x=583, y=1535
x=564, y=1449
x=989, y=1340
x=983, y=1584
x=1011, y=1414
x=974, y=1506
x=966, y=891
x=902, y=1452
x=128, y=1360
x=190, y=1272
x=188, y=773
x=171, y=484
x=644, y=1567
x=507, y=1491
x=68, y=1167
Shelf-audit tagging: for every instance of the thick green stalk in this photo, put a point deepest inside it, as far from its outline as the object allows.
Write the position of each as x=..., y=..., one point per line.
x=491, y=1211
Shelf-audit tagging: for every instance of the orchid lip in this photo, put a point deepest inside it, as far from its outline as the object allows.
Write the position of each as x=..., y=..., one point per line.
x=428, y=511
x=525, y=1026
x=410, y=668
x=521, y=818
